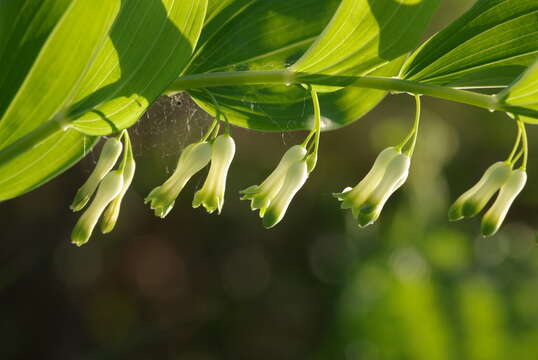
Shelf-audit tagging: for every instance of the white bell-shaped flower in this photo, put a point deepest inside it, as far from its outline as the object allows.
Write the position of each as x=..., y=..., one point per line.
x=108, y=189
x=193, y=159
x=109, y=156
x=110, y=217
x=494, y=217
x=354, y=198
x=473, y=200
x=296, y=176
x=211, y=195
x=395, y=175
x=262, y=195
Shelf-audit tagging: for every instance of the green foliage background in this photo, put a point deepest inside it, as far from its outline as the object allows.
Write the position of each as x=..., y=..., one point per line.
x=316, y=287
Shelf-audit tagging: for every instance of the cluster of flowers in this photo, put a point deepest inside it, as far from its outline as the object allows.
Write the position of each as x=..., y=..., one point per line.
x=499, y=177
x=274, y=195
x=110, y=185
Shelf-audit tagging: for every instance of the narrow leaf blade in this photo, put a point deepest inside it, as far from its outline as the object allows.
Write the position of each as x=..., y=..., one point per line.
x=522, y=96
x=149, y=46
x=43, y=162
x=46, y=49
x=490, y=45
x=364, y=35
x=266, y=35
x=288, y=108
x=56, y=72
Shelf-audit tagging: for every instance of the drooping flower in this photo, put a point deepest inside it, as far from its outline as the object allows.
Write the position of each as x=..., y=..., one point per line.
x=494, y=217
x=193, y=158
x=296, y=176
x=108, y=189
x=211, y=195
x=261, y=196
x=110, y=217
x=108, y=158
x=368, y=197
x=354, y=198
x=473, y=200
x=394, y=177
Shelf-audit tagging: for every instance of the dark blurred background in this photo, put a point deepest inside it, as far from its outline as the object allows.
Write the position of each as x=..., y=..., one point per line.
x=207, y=287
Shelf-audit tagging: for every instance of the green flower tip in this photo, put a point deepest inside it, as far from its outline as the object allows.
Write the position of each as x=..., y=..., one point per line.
x=475, y=199
x=368, y=197
x=108, y=189
x=279, y=187
x=161, y=201
x=108, y=158
x=211, y=195
x=454, y=212
x=193, y=159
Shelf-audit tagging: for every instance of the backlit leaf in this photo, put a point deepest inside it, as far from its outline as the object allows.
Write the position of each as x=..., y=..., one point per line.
x=52, y=75
x=149, y=46
x=285, y=108
x=258, y=34
x=366, y=34
x=44, y=162
x=523, y=94
x=490, y=45
x=46, y=50
x=265, y=35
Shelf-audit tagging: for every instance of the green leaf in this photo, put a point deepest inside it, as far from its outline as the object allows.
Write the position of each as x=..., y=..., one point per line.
x=43, y=61
x=45, y=161
x=490, y=45
x=365, y=35
x=18, y=51
x=265, y=35
x=258, y=34
x=56, y=71
x=149, y=46
x=522, y=96
x=286, y=108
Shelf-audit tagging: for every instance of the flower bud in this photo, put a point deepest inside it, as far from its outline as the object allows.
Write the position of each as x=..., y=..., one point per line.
x=355, y=197
x=494, y=217
x=473, y=200
x=110, y=217
x=108, y=189
x=211, y=195
x=262, y=195
x=394, y=177
x=109, y=155
x=193, y=159
x=295, y=178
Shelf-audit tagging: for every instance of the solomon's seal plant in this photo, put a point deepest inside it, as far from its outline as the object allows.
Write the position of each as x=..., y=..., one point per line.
x=109, y=155
x=263, y=195
x=111, y=188
x=193, y=159
x=388, y=174
x=88, y=70
x=500, y=177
